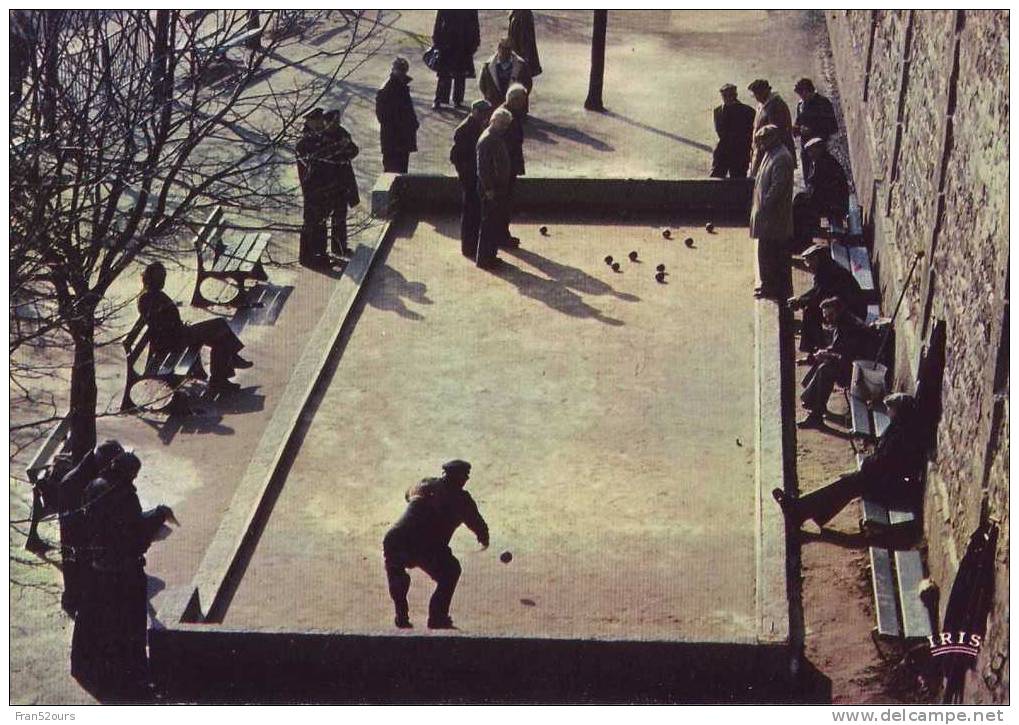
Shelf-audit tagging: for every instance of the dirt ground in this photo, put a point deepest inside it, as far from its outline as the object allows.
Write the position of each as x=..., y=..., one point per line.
x=659, y=125
x=599, y=414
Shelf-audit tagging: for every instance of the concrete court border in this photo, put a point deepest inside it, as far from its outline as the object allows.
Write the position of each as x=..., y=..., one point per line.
x=191, y=639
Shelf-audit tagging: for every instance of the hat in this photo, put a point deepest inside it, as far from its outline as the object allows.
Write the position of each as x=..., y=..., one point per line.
x=728, y=87
x=456, y=466
x=127, y=464
x=759, y=85
x=814, y=250
x=333, y=115
x=107, y=451
x=767, y=133
x=481, y=105
x=401, y=62
x=804, y=84
x=813, y=142
x=314, y=113
x=832, y=302
x=898, y=400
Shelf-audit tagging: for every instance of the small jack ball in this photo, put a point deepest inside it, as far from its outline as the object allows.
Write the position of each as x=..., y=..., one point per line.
x=505, y=557
x=544, y=231
x=633, y=256
x=608, y=259
x=660, y=268
x=667, y=234
x=688, y=242
x=660, y=276
x=615, y=266
x=709, y=228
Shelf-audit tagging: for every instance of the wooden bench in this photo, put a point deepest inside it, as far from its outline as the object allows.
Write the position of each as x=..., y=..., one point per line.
x=895, y=579
x=856, y=259
x=214, y=44
x=236, y=260
x=38, y=472
x=876, y=516
x=850, y=228
x=171, y=368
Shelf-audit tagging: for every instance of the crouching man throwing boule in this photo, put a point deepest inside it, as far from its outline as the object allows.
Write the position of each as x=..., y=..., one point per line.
x=435, y=508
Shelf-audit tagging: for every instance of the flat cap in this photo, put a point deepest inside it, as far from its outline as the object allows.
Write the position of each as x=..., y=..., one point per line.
x=897, y=400
x=804, y=84
x=726, y=88
x=314, y=113
x=813, y=142
x=456, y=466
x=401, y=62
x=767, y=133
x=814, y=250
x=759, y=85
x=126, y=463
x=481, y=105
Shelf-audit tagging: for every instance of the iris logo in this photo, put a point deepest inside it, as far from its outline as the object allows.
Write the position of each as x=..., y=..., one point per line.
x=955, y=643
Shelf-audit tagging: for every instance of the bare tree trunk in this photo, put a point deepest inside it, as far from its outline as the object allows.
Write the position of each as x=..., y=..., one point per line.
x=84, y=395
x=50, y=65
x=162, y=78
x=594, y=88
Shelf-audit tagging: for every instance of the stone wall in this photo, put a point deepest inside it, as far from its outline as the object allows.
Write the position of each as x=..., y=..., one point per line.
x=925, y=99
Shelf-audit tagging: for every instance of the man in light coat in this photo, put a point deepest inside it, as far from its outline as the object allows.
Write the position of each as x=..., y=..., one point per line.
x=771, y=217
x=771, y=111
x=495, y=178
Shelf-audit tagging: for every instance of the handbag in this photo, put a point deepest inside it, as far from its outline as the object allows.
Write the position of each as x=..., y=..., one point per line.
x=431, y=58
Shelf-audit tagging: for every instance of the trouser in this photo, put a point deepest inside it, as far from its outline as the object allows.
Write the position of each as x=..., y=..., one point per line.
x=819, y=382
x=108, y=652
x=508, y=211
x=773, y=267
x=470, y=218
x=222, y=342
x=823, y=504
x=806, y=220
x=338, y=226
x=395, y=162
x=313, y=230
x=724, y=164
x=443, y=85
x=494, y=225
x=441, y=566
x=812, y=334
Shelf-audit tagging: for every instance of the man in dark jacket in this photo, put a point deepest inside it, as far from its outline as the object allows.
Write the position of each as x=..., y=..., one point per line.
x=495, y=178
x=851, y=340
x=338, y=150
x=456, y=36
x=734, y=124
x=398, y=123
x=70, y=500
x=830, y=280
x=522, y=39
x=108, y=653
x=815, y=118
x=435, y=509
x=167, y=331
x=313, y=173
x=899, y=455
x=464, y=157
x=827, y=193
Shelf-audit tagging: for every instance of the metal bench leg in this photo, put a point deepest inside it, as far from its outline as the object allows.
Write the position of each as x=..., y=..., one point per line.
x=197, y=300
x=34, y=542
x=133, y=377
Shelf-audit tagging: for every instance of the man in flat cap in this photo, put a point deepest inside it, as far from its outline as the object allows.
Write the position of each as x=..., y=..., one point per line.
x=898, y=458
x=771, y=111
x=464, y=157
x=830, y=280
x=827, y=193
x=815, y=118
x=313, y=174
x=771, y=216
x=734, y=123
x=435, y=509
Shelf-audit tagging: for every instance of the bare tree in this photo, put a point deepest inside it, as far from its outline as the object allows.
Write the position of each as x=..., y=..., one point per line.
x=594, y=87
x=127, y=127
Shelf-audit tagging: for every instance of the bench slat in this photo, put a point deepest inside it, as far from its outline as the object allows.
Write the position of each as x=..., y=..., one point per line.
x=841, y=255
x=900, y=516
x=881, y=421
x=860, y=417
x=888, y=624
x=874, y=513
x=234, y=254
x=873, y=313
x=54, y=441
x=859, y=260
x=855, y=217
x=916, y=620
x=187, y=360
x=258, y=248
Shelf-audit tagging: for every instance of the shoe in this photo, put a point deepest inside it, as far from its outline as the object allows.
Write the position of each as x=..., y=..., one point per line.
x=402, y=621
x=241, y=364
x=488, y=264
x=807, y=359
x=436, y=105
x=440, y=623
x=223, y=386
x=511, y=243
x=813, y=420
x=461, y=106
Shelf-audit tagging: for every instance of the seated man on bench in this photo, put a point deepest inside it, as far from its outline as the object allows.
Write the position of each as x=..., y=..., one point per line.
x=899, y=455
x=168, y=332
x=827, y=194
x=830, y=280
x=851, y=339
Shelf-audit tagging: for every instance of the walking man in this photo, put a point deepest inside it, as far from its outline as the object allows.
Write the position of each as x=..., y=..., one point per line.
x=771, y=217
x=495, y=177
x=734, y=123
x=435, y=509
x=464, y=157
x=456, y=36
x=398, y=123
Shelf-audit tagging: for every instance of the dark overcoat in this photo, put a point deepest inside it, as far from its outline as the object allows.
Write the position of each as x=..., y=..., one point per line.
x=457, y=36
x=522, y=38
x=398, y=123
